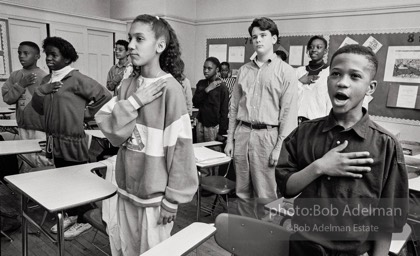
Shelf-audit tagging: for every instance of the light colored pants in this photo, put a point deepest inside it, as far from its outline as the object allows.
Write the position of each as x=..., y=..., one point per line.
x=38, y=159
x=205, y=134
x=138, y=226
x=252, y=149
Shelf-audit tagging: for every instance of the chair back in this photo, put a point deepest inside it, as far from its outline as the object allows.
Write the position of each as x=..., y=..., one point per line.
x=243, y=236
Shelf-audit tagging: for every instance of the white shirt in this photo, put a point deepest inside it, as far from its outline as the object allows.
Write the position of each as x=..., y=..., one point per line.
x=313, y=100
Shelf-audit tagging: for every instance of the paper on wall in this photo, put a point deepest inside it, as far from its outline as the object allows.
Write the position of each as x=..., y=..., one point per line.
x=295, y=55
x=373, y=44
x=407, y=96
x=2, y=67
x=348, y=41
x=219, y=51
x=236, y=54
x=403, y=64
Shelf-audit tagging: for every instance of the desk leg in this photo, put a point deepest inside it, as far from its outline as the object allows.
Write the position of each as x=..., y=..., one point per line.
x=60, y=234
x=24, y=208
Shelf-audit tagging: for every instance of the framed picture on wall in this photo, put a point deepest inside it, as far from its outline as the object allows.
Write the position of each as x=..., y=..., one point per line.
x=4, y=50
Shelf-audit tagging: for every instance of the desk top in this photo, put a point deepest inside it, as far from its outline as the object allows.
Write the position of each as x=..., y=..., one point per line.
x=63, y=188
x=8, y=122
x=95, y=133
x=207, y=144
x=184, y=240
x=12, y=147
x=5, y=111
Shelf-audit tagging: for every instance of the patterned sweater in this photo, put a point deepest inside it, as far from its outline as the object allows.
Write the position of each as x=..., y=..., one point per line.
x=14, y=93
x=65, y=112
x=155, y=163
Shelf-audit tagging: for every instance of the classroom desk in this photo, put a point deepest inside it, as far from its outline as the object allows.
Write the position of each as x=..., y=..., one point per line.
x=9, y=125
x=20, y=147
x=57, y=190
x=95, y=133
x=184, y=241
x=4, y=112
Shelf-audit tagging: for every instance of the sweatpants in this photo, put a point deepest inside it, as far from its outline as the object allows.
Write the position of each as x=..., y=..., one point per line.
x=139, y=230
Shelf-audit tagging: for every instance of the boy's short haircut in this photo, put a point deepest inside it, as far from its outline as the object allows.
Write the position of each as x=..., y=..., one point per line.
x=214, y=60
x=359, y=50
x=224, y=63
x=31, y=44
x=314, y=38
x=264, y=24
x=123, y=43
x=65, y=47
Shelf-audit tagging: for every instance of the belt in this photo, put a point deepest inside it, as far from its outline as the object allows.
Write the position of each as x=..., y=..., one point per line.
x=258, y=126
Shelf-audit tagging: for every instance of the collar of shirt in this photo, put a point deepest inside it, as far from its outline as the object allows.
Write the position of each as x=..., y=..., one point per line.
x=255, y=60
x=123, y=65
x=360, y=128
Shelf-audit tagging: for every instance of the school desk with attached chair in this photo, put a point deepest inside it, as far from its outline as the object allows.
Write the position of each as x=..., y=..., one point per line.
x=6, y=112
x=57, y=190
x=218, y=185
x=239, y=235
x=9, y=125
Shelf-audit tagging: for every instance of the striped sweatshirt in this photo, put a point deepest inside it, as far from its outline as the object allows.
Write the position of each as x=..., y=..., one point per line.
x=155, y=163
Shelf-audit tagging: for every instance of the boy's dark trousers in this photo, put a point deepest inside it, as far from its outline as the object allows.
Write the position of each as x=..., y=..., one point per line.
x=300, y=247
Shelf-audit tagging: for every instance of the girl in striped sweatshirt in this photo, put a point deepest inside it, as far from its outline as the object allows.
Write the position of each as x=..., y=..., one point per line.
x=155, y=168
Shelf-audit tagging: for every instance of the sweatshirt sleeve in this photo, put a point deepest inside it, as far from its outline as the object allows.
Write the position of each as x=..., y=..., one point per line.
x=117, y=118
x=180, y=161
x=94, y=93
x=12, y=90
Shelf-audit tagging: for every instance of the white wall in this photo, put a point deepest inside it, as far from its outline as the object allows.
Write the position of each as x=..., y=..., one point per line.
x=98, y=8
x=60, y=13
x=179, y=13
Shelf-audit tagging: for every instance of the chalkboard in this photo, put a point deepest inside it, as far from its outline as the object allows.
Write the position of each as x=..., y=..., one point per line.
x=385, y=89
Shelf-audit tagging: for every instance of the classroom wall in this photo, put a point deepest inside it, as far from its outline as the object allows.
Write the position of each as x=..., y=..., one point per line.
x=180, y=14
x=83, y=26
x=98, y=8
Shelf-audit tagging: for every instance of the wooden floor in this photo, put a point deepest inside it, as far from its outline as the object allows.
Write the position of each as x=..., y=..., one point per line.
x=40, y=245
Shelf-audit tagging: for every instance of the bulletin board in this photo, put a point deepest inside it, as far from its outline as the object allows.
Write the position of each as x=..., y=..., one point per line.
x=222, y=48
x=398, y=92
x=398, y=77
x=5, y=63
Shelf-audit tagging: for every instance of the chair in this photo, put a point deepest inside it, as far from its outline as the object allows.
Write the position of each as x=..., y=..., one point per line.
x=401, y=240
x=219, y=185
x=244, y=236
x=94, y=216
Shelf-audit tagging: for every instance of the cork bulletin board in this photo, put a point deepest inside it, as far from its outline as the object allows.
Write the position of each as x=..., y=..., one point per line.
x=397, y=96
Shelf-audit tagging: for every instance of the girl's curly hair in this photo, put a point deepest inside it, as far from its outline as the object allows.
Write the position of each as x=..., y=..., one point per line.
x=65, y=47
x=170, y=60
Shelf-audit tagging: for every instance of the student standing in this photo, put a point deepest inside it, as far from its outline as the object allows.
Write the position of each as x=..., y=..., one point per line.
x=116, y=73
x=313, y=99
x=345, y=161
x=212, y=99
x=155, y=169
x=18, y=90
x=263, y=112
x=67, y=99
x=226, y=76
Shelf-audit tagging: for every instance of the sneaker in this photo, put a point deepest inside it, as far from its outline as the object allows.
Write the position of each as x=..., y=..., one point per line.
x=76, y=229
x=67, y=223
